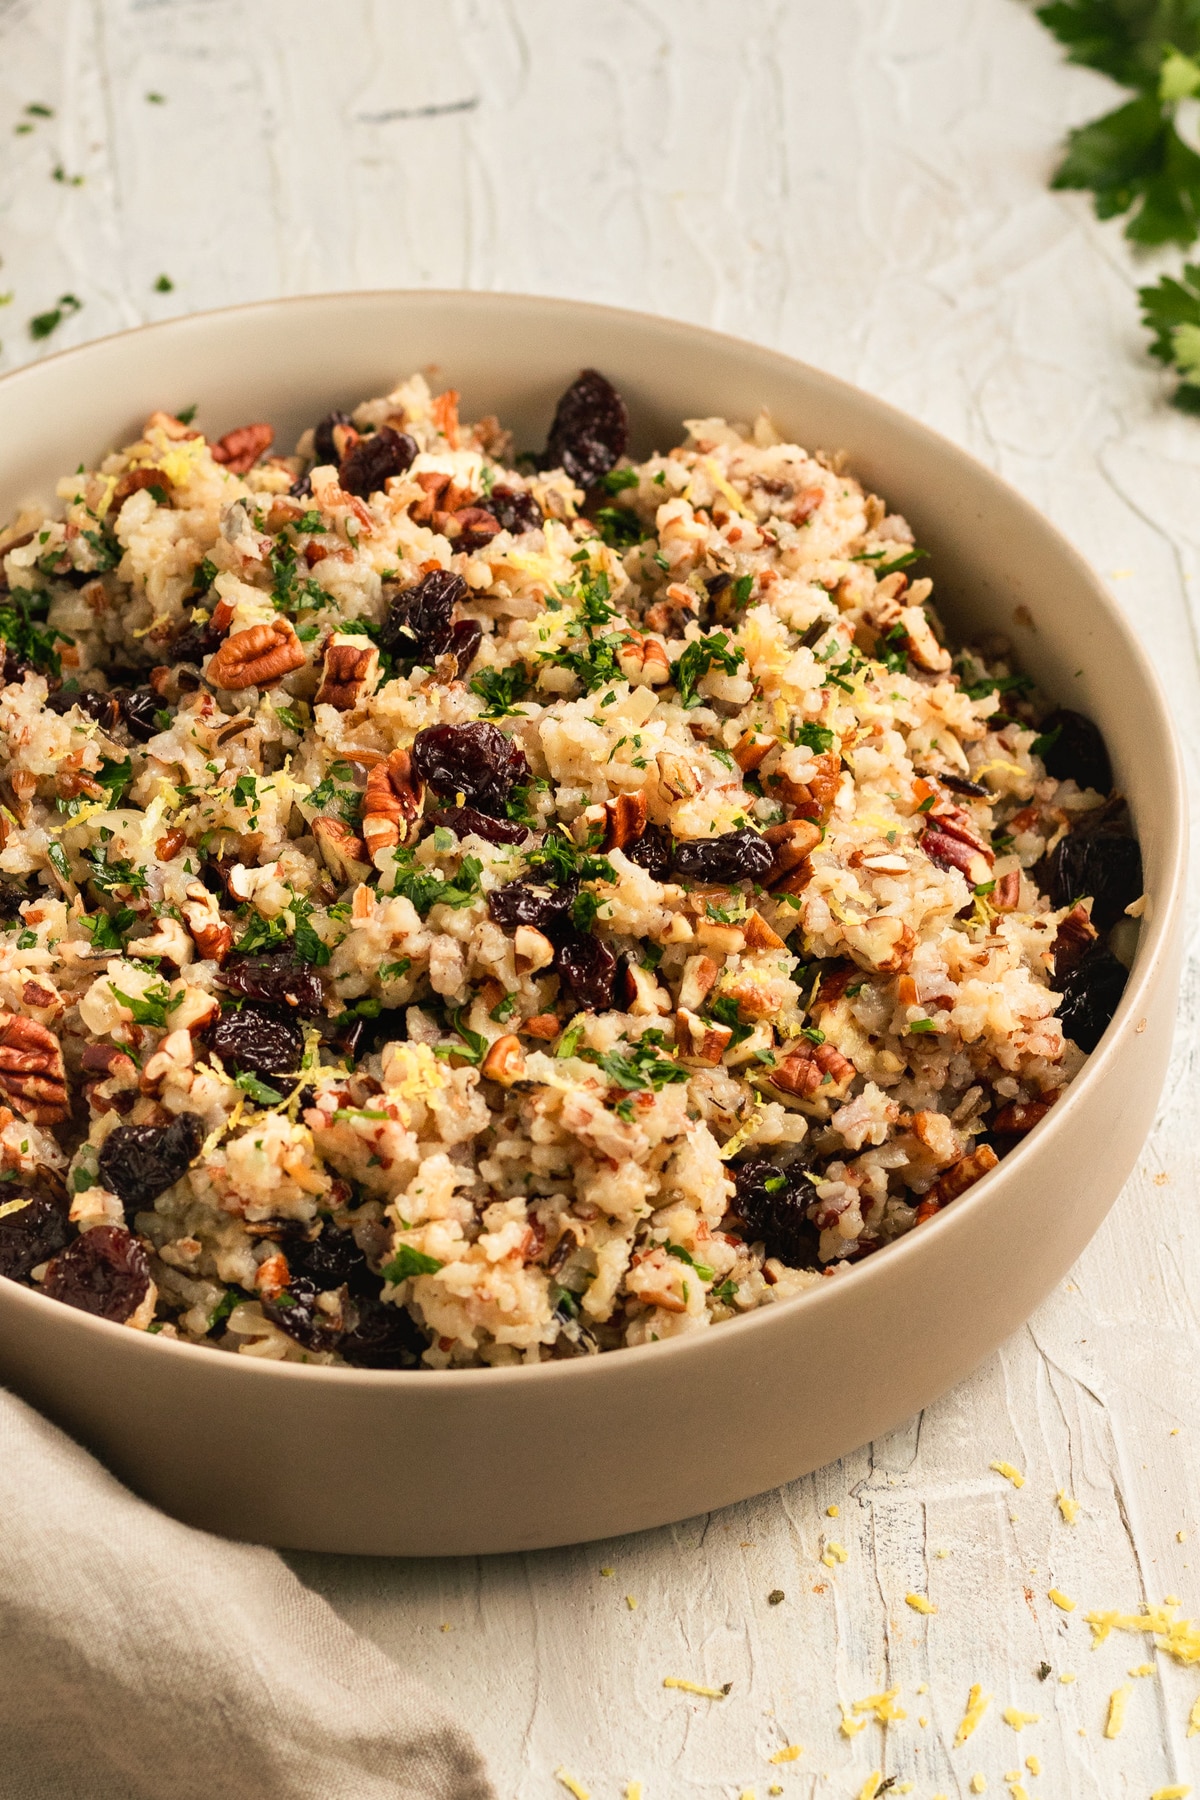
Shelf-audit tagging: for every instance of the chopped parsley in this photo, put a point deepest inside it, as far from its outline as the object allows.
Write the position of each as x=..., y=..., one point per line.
x=698, y=660
x=408, y=1262
x=501, y=689
x=42, y=324
x=150, y=1007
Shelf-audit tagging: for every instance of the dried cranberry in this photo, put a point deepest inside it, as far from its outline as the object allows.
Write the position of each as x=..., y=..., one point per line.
x=462, y=820
x=374, y=460
x=590, y=430
x=381, y=1336
x=104, y=708
x=418, y=623
x=1105, y=865
x=1077, y=752
x=103, y=1271
x=254, y=1040
x=734, y=856
x=14, y=668
x=652, y=852
x=772, y=1202
x=1090, y=996
x=516, y=509
x=520, y=903
x=465, y=639
x=276, y=980
x=139, y=711
x=476, y=761
x=295, y=1311
x=140, y=1162
x=324, y=448
x=590, y=967
x=31, y=1236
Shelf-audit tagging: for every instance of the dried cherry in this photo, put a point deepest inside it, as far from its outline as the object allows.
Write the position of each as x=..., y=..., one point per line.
x=590, y=430
x=520, y=903
x=381, y=1336
x=1105, y=865
x=465, y=639
x=1078, y=752
x=591, y=968
x=1091, y=994
x=418, y=625
x=741, y=855
x=652, y=852
x=295, y=1311
x=324, y=448
x=516, y=509
x=772, y=1202
x=31, y=1236
x=276, y=979
x=104, y=708
x=195, y=645
x=104, y=1271
x=374, y=460
x=476, y=761
x=462, y=820
x=252, y=1040
x=140, y=1162
x=140, y=711
x=331, y=1260
x=12, y=897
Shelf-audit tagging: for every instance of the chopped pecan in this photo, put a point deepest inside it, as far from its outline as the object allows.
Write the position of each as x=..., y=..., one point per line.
x=257, y=657
x=344, y=854
x=349, y=672
x=212, y=937
x=444, y=413
x=759, y=935
x=675, y=776
x=133, y=479
x=532, y=950
x=1074, y=938
x=33, y=1080
x=672, y=613
x=957, y=1180
x=169, y=425
x=435, y=487
x=170, y=844
x=504, y=1062
x=239, y=450
x=792, y=843
x=811, y=1069
x=814, y=798
x=643, y=661
x=697, y=981
x=642, y=994
x=476, y=527
x=624, y=820
x=542, y=1025
x=1021, y=1116
x=391, y=804
x=700, y=1040
x=951, y=853
x=752, y=750
x=1007, y=895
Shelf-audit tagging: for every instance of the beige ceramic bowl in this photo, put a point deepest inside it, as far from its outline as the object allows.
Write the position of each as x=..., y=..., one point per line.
x=488, y=1460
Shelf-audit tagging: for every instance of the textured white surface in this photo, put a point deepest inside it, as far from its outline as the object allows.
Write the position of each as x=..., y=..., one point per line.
x=863, y=184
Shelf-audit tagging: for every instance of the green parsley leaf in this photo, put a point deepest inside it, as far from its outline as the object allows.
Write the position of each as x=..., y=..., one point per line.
x=501, y=688
x=394, y=971
x=408, y=1262
x=617, y=480
x=619, y=526
x=698, y=659
x=42, y=324
x=150, y=1007
x=258, y=1090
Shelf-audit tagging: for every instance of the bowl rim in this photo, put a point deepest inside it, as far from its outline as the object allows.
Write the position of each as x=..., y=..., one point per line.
x=1153, y=947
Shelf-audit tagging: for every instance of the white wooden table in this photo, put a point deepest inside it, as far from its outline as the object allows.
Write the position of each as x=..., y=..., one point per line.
x=862, y=183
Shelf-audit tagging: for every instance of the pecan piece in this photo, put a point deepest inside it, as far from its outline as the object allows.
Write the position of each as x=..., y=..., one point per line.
x=504, y=1062
x=133, y=479
x=349, y=672
x=956, y=1181
x=476, y=527
x=257, y=657
x=643, y=661
x=542, y=1025
x=699, y=1040
x=814, y=798
x=169, y=425
x=391, y=804
x=792, y=842
x=33, y=1080
x=1074, y=938
x=811, y=1070
x=1007, y=896
x=239, y=450
x=212, y=937
x=344, y=854
x=752, y=750
x=624, y=820
x=947, y=852
x=1021, y=1116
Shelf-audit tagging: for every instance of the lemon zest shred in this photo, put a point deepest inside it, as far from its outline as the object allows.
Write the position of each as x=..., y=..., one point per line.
x=920, y=1603
x=1063, y=1601
x=692, y=1687
x=1009, y=1473
x=977, y=1704
x=1068, y=1507
x=572, y=1786
x=1012, y=1715
x=1118, y=1700
x=789, y=1753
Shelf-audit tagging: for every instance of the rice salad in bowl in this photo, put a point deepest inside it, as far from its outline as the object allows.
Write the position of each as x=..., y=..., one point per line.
x=460, y=908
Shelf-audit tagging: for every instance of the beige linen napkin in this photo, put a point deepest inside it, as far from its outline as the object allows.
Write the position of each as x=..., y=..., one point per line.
x=140, y=1659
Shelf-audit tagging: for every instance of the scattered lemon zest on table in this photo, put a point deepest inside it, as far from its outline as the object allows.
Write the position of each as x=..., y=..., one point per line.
x=1181, y=1537
x=833, y=1512
x=1067, y=1676
x=1180, y=1638
x=979, y=1783
x=1009, y=1473
x=1063, y=1601
x=870, y=1787
x=572, y=1786
x=1193, y=1729
x=1017, y=1790
x=977, y=1704
x=882, y=1705
x=1180, y=1791
x=835, y=1553
x=1068, y=1507
x=1033, y=1765
x=607, y=1572
x=693, y=1687
x=633, y=1790
x=1012, y=1715
x=1118, y=1700
x=850, y=1726
x=920, y=1603
x=631, y=1602
x=922, y=1721
x=1143, y=1669
x=789, y=1753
